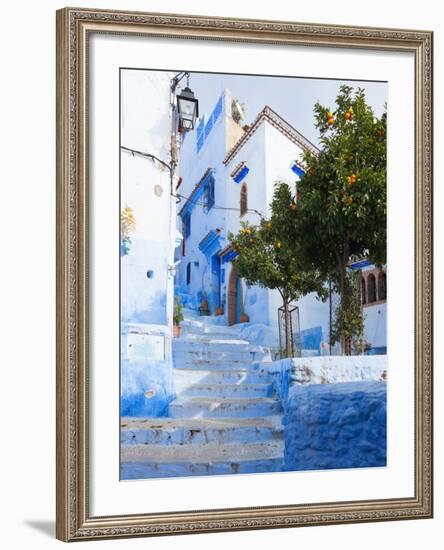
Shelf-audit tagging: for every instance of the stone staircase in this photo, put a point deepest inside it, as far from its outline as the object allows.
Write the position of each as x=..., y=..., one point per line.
x=225, y=418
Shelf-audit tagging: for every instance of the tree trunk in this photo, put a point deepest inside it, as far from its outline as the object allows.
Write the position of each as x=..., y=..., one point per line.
x=342, y=298
x=346, y=343
x=288, y=334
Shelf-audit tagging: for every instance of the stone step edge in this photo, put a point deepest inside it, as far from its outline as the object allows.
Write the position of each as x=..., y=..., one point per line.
x=166, y=423
x=231, y=370
x=229, y=452
x=244, y=385
x=224, y=400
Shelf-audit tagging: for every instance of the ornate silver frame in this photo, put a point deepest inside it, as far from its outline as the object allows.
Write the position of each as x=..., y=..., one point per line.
x=74, y=521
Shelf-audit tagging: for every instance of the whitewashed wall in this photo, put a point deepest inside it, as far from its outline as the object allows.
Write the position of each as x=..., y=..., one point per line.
x=147, y=290
x=192, y=167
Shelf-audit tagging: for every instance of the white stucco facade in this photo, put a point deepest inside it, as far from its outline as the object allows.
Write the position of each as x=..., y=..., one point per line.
x=147, y=254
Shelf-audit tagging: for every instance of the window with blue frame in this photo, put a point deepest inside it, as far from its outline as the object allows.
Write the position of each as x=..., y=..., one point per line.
x=209, y=195
x=188, y=273
x=186, y=220
x=243, y=200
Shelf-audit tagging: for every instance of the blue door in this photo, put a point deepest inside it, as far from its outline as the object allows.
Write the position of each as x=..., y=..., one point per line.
x=216, y=280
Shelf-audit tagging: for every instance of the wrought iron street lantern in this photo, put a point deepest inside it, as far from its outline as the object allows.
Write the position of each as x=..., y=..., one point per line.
x=188, y=107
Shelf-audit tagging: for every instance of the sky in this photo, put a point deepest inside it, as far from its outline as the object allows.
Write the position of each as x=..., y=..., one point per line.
x=292, y=98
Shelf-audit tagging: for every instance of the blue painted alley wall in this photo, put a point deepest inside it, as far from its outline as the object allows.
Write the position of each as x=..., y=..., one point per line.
x=336, y=426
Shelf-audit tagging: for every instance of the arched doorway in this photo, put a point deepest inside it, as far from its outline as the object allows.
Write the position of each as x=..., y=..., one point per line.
x=234, y=297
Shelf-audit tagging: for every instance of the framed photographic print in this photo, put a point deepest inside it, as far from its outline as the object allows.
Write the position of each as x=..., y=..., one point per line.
x=244, y=274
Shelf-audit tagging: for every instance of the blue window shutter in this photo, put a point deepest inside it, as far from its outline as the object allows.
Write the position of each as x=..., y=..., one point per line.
x=241, y=174
x=211, y=193
x=200, y=142
x=208, y=127
x=217, y=110
x=297, y=170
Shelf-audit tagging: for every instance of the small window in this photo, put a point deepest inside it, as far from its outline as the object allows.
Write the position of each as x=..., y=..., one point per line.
x=371, y=288
x=382, y=286
x=363, y=293
x=186, y=225
x=243, y=199
x=188, y=273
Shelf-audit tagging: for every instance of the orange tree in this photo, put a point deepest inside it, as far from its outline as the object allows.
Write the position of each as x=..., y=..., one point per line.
x=266, y=258
x=341, y=204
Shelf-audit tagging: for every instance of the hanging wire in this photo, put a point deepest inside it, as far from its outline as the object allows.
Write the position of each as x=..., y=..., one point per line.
x=149, y=156
x=164, y=165
x=216, y=207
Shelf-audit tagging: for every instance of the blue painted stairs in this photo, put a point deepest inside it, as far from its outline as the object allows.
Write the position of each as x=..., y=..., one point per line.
x=225, y=418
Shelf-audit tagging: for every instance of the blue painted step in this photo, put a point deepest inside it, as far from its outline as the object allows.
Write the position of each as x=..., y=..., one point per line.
x=224, y=420
x=199, y=431
x=153, y=470
x=186, y=377
x=203, y=389
x=224, y=408
x=142, y=461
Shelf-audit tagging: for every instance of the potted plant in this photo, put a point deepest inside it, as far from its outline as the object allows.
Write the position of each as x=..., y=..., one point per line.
x=127, y=226
x=237, y=111
x=177, y=316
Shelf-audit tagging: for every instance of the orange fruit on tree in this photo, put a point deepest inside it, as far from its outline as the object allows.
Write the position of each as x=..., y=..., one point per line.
x=352, y=179
x=349, y=114
x=330, y=118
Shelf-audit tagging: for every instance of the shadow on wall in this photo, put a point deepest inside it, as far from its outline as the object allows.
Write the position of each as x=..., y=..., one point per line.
x=154, y=313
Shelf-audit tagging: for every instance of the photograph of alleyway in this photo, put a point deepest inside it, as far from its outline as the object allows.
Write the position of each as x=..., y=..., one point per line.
x=253, y=274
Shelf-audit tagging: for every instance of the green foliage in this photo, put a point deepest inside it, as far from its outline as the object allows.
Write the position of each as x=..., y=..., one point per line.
x=341, y=200
x=348, y=325
x=342, y=196
x=178, y=311
x=338, y=215
x=238, y=111
x=266, y=256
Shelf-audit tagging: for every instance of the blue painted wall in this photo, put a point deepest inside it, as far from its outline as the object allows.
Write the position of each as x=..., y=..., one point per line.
x=336, y=426
x=146, y=388
x=311, y=338
x=146, y=370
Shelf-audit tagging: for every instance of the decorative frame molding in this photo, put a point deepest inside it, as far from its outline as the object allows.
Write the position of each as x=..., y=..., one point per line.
x=73, y=519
